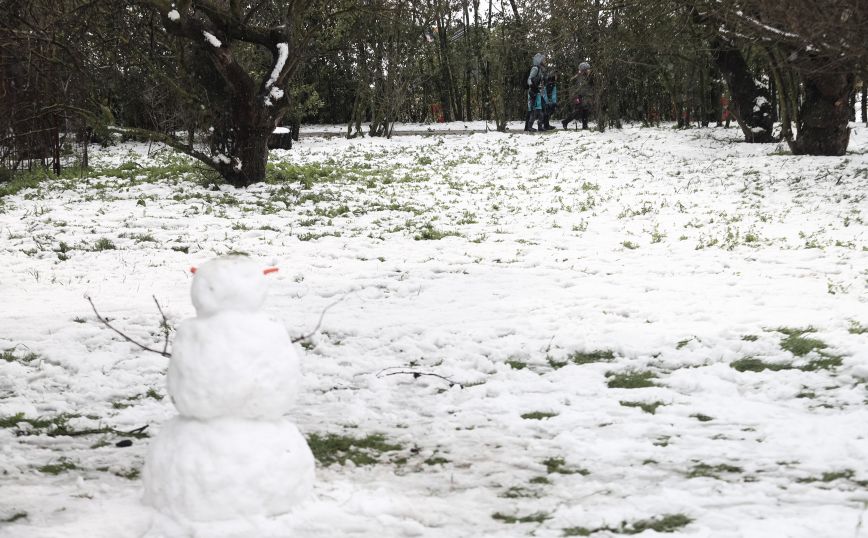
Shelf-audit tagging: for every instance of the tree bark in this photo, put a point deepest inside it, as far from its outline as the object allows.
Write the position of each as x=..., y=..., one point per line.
x=823, y=122
x=750, y=103
x=249, y=156
x=865, y=102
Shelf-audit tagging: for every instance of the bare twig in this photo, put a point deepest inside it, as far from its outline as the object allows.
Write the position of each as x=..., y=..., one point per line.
x=121, y=334
x=137, y=431
x=298, y=339
x=164, y=325
x=417, y=374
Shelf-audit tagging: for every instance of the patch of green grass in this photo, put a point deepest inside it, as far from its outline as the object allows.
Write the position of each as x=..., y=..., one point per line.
x=429, y=233
x=588, y=357
x=578, y=531
x=630, y=245
x=540, y=480
x=538, y=415
x=306, y=174
x=334, y=448
x=103, y=243
x=518, y=492
x=825, y=362
x=752, y=364
x=648, y=407
x=14, y=517
x=15, y=182
x=799, y=345
x=62, y=465
x=559, y=466
x=750, y=338
x=857, y=328
x=712, y=471
x=702, y=418
x=634, y=379
x=583, y=357
x=830, y=476
x=59, y=426
x=664, y=523
x=536, y=517
x=144, y=238
x=663, y=441
x=11, y=421
x=516, y=364
x=660, y=524
x=436, y=460
x=10, y=355
x=152, y=393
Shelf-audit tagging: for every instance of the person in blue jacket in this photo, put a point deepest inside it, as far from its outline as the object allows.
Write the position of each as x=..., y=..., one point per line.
x=550, y=97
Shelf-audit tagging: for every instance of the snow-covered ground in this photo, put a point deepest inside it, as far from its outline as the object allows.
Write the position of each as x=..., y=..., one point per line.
x=629, y=325
x=449, y=127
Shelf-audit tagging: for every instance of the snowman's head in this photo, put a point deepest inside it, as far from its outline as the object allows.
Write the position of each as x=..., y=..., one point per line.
x=229, y=283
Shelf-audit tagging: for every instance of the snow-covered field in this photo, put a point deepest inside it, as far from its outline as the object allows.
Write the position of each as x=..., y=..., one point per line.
x=641, y=329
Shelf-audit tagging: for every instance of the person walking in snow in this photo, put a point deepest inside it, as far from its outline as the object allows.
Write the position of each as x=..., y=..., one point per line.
x=535, y=80
x=581, y=96
x=551, y=99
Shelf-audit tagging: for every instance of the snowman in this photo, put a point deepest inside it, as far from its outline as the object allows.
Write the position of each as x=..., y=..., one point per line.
x=233, y=376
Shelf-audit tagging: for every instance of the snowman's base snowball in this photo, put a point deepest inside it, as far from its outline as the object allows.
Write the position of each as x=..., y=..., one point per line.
x=227, y=468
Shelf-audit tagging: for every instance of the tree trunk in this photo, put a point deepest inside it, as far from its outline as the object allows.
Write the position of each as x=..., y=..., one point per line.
x=865, y=102
x=750, y=103
x=251, y=150
x=445, y=79
x=823, y=122
x=55, y=148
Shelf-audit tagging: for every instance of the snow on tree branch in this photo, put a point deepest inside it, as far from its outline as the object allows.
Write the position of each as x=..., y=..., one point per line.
x=282, y=55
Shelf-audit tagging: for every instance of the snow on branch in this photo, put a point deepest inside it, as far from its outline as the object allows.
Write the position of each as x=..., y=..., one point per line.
x=282, y=55
x=212, y=39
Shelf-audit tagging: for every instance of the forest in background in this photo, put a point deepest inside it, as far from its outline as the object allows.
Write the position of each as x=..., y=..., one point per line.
x=212, y=78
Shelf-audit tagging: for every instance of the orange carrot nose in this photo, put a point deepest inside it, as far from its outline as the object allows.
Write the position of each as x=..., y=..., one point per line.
x=270, y=270
x=193, y=270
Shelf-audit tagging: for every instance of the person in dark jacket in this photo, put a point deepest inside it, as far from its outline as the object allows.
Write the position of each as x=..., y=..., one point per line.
x=551, y=99
x=581, y=96
x=534, y=96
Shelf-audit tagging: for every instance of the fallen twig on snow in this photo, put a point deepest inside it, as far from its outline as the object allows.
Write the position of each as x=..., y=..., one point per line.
x=164, y=325
x=417, y=374
x=298, y=339
x=105, y=322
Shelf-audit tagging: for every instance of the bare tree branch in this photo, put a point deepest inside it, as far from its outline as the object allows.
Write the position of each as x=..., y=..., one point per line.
x=121, y=334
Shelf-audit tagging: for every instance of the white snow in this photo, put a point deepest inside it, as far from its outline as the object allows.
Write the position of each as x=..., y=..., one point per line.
x=282, y=55
x=232, y=360
x=212, y=39
x=759, y=102
x=275, y=93
x=228, y=468
x=487, y=259
x=175, y=16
